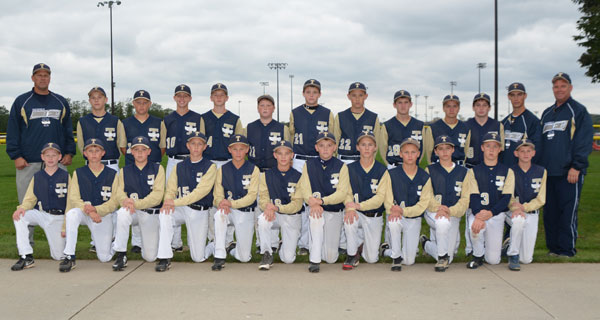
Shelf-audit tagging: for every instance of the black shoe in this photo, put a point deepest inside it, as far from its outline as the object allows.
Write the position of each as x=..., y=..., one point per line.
x=163, y=265
x=120, y=262
x=25, y=262
x=218, y=264
x=342, y=251
x=136, y=249
x=177, y=250
x=303, y=252
x=314, y=267
x=513, y=263
x=384, y=246
x=442, y=263
x=422, y=240
x=266, y=262
x=257, y=251
x=230, y=247
x=505, y=245
x=351, y=262
x=475, y=263
x=66, y=264
x=397, y=264
x=93, y=249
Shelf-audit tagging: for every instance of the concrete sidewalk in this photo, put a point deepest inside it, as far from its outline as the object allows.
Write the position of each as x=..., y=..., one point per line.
x=240, y=291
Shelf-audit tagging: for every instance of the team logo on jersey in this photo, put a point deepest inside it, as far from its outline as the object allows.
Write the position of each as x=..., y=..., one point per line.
x=106, y=193
x=462, y=139
x=374, y=185
x=151, y=180
x=335, y=179
x=227, y=130
x=61, y=190
x=291, y=188
x=458, y=187
x=46, y=122
x=153, y=134
x=190, y=128
x=275, y=137
x=367, y=129
x=536, y=184
x=555, y=126
x=417, y=135
x=198, y=177
x=246, y=181
x=110, y=134
x=500, y=182
x=419, y=189
x=322, y=126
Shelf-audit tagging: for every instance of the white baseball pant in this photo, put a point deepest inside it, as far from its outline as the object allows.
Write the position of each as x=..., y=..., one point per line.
x=365, y=230
x=212, y=211
x=298, y=164
x=101, y=233
x=196, y=222
x=290, y=225
x=404, y=239
x=149, y=232
x=324, y=235
x=488, y=242
x=176, y=242
x=445, y=231
x=52, y=225
x=523, y=233
x=243, y=224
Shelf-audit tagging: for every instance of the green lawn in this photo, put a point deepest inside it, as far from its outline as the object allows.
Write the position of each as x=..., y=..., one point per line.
x=588, y=243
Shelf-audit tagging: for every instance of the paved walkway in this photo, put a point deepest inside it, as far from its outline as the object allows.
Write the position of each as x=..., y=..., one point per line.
x=240, y=291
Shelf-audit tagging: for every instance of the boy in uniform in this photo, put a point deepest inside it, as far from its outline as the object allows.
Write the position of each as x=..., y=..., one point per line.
x=92, y=199
x=187, y=200
x=410, y=195
x=480, y=125
x=363, y=222
x=306, y=122
x=398, y=128
x=491, y=191
x=282, y=206
x=43, y=205
x=235, y=193
x=324, y=186
x=450, y=202
x=140, y=193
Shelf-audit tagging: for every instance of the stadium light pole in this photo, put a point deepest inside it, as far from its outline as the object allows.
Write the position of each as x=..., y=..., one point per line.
x=291, y=92
x=425, y=105
x=452, y=85
x=416, y=103
x=277, y=66
x=480, y=66
x=239, y=108
x=112, y=81
x=496, y=59
x=264, y=84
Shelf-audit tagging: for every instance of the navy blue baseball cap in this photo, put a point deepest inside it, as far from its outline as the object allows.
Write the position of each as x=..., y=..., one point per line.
x=312, y=83
x=491, y=136
x=141, y=94
x=140, y=141
x=412, y=141
x=516, y=86
x=284, y=144
x=267, y=97
x=357, y=86
x=365, y=134
x=325, y=135
x=219, y=86
x=525, y=142
x=197, y=134
x=183, y=88
x=561, y=76
x=481, y=96
x=51, y=145
x=93, y=142
x=97, y=89
x=40, y=66
x=402, y=94
x=443, y=139
x=238, y=138
x=451, y=97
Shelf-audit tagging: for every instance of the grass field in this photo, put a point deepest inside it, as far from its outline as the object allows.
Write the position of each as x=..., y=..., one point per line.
x=588, y=243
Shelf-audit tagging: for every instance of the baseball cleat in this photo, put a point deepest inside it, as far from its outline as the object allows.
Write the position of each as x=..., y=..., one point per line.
x=120, y=262
x=314, y=267
x=442, y=264
x=136, y=249
x=266, y=262
x=230, y=247
x=24, y=262
x=303, y=252
x=384, y=246
x=66, y=264
x=397, y=264
x=505, y=245
x=163, y=265
x=513, y=263
x=422, y=240
x=177, y=250
x=92, y=249
x=475, y=263
x=553, y=254
x=342, y=251
x=351, y=262
x=218, y=264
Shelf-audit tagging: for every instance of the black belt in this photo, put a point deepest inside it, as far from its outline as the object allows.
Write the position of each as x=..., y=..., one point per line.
x=56, y=212
x=349, y=157
x=198, y=207
x=372, y=214
x=460, y=162
x=107, y=162
x=303, y=157
x=180, y=156
x=152, y=210
x=247, y=209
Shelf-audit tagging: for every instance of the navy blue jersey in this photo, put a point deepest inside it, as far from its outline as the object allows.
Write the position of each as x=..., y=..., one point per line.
x=139, y=183
x=51, y=190
x=528, y=184
x=179, y=127
x=262, y=140
x=237, y=181
x=364, y=184
x=407, y=191
x=324, y=177
x=219, y=131
x=105, y=131
x=515, y=128
x=567, y=136
x=306, y=128
x=351, y=129
x=282, y=185
x=35, y=120
x=474, y=154
x=95, y=190
x=149, y=128
x=491, y=184
x=458, y=134
x=189, y=175
x=447, y=186
x=397, y=132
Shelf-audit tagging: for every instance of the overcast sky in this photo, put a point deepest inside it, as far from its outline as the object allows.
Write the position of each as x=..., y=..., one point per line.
x=388, y=45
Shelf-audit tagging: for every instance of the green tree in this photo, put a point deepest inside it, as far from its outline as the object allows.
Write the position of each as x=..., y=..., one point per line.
x=78, y=109
x=3, y=118
x=589, y=38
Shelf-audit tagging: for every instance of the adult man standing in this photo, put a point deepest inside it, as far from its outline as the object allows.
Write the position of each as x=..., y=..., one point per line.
x=566, y=144
x=36, y=118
